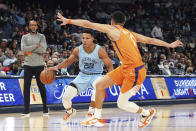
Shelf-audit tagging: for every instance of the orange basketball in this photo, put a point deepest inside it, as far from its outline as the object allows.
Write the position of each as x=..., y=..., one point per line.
x=47, y=77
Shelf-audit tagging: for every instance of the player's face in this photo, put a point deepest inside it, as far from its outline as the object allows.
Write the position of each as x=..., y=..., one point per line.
x=33, y=26
x=87, y=40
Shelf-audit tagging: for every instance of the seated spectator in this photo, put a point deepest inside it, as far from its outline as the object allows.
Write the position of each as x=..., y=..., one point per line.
x=14, y=46
x=192, y=44
x=2, y=56
x=189, y=71
x=20, y=61
x=115, y=60
x=3, y=44
x=63, y=57
x=13, y=69
x=10, y=58
x=50, y=63
x=2, y=73
x=165, y=69
x=55, y=58
x=179, y=70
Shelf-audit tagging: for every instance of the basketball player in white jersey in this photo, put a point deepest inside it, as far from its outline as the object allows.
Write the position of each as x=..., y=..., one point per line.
x=91, y=61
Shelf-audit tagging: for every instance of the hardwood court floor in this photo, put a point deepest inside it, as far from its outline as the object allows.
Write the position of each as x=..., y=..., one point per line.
x=168, y=118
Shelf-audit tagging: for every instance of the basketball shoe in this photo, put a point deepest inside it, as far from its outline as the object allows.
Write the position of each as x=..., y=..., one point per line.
x=145, y=120
x=88, y=117
x=68, y=116
x=25, y=114
x=92, y=122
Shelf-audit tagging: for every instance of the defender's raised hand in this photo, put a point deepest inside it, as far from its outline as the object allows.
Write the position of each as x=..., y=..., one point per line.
x=62, y=19
x=176, y=43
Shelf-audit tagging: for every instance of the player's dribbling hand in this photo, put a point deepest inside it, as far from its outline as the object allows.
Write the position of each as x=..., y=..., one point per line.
x=54, y=68
x=62, y=19
x=176, y=43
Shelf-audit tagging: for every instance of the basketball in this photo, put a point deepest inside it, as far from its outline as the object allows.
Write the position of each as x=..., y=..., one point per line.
x=47, y=76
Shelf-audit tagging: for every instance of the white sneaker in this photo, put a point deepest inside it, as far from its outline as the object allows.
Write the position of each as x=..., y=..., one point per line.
x=88, y=117
x=93, y=122
x=46, y=113
x=68, y=116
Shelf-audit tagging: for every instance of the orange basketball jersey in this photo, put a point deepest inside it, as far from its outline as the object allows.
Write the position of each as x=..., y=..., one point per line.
x=127, y=49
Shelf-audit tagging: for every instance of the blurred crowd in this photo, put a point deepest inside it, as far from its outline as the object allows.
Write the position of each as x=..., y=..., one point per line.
x=167, y=20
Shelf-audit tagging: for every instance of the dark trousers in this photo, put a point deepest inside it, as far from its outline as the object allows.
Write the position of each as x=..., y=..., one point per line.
x=29, y=72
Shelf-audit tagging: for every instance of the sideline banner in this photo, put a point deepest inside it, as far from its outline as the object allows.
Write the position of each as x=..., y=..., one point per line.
x=10, y=92
x=55, y=92
x=35, y=97
x=152, y=89
x=181, y=87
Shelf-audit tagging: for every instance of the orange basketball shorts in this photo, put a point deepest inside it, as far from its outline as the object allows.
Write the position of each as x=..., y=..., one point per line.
x=128, y=77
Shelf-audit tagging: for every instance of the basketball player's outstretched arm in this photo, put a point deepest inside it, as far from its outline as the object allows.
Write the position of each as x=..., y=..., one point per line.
x=106, y=60
x=111, y=31
x=73, y=57
x=154, y=41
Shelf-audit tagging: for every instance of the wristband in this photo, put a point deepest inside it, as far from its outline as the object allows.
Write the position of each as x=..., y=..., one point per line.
x=69, y=21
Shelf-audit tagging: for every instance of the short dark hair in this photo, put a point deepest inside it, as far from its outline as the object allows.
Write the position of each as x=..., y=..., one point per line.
x=33, y=20
x=118, y=17
x=88, y=31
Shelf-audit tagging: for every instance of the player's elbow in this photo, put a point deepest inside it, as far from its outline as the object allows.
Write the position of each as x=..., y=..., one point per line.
x=87, y=24
x=150, y=40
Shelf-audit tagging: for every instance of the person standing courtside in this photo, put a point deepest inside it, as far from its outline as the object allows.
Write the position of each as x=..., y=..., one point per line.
x=33, y=45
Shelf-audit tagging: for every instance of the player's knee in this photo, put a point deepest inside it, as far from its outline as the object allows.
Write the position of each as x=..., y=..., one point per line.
x=99, y=85
x=93, y=96
x=66, y=98
x=121, y=103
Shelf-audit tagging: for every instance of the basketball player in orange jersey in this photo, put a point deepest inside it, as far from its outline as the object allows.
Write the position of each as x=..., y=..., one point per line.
x=130, y=75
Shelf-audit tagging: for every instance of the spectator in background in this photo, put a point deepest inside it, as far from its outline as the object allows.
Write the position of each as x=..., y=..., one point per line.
x=2, y=56
x=189, y=71
x=2, y=73
x=192, y=44
x=3, y=44
x=153, y=66
x=14, y=46
x=10, y=58
x=63, y=57
x=115, y=60
x=20, y=61
x=65, y=45
x=165, y=69
x=20, y=18
x=170, y=12
x=179, y=70
x=13, y=70
x=85, y=16
x=50, y=63
x=186, y=29
x=49, y=50
x=157, y=32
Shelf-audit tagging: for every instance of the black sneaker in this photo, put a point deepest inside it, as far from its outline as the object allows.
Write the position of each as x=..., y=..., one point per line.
x=46, y=112
x=25, y=114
